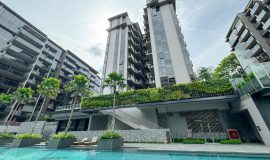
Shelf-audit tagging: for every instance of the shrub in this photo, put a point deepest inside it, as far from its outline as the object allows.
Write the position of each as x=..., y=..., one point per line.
x=63, y=136
x=28, y=136
x=110, y=135
x=6, y=135
x=193, y=141
x=198, y=89
x=230, y=141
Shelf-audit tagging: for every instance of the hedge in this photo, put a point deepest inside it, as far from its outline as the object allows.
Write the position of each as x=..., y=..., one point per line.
x=193, y=141
x=230, y=141
x=192, y=90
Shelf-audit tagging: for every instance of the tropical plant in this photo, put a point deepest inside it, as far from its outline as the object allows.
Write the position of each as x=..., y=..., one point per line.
x=63, y=136
x=229, y=68
x=49, y=88
x=114, y=81
x=21, y=96
x=5, y=99
x=28, y=136
x=192, y=90
x=79, y=87
x=6, y=135
x=204, y=74
x=110, y=135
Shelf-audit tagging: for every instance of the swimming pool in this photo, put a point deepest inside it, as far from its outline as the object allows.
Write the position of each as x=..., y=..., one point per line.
x=46, y=154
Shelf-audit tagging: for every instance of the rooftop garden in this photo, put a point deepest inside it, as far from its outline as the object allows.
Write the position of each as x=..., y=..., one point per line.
x=192, y=90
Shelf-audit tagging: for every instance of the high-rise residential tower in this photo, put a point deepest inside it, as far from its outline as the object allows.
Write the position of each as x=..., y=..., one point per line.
x=249, y=39
x=27, y=56
x=157, y=58
x=166, y=44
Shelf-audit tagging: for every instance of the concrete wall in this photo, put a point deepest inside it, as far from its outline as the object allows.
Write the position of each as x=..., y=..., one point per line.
x=176, y=51
x=261, y=127
x=149, y=135
x=176, y=124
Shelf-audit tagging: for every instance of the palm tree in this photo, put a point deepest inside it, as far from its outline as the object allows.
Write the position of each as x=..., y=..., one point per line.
x=78, y=87
x=114, y=81
x=21, y=96
x=5, y=99
x=49, y=88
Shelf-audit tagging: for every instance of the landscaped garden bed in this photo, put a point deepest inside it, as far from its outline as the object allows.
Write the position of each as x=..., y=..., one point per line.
x=6, y=138
x=110, y=140
x=230, y=141
x=61, y=140
x=25, y=140
x=193, y=90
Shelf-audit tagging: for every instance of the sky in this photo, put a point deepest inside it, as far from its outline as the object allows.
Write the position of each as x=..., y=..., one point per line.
x=80, y=25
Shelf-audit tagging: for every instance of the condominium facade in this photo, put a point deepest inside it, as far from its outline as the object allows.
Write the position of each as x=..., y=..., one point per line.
x=249, y=40
x=157, y=58
x=27, y=56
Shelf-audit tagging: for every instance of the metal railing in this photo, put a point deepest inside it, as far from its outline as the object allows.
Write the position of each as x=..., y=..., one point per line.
x=67, y=107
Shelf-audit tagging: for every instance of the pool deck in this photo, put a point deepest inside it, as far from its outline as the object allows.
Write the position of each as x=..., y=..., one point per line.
x=254, y=149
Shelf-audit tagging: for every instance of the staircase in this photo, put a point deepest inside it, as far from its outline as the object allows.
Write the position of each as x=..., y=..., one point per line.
x=124, y=115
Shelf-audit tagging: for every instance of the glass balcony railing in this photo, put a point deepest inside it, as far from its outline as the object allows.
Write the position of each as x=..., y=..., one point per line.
x=67, y=107
x=257, y=79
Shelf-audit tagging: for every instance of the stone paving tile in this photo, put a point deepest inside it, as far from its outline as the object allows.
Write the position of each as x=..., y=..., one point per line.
x=203, y=148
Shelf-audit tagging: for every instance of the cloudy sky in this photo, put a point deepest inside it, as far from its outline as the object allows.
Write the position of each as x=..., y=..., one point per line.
x=80, y=25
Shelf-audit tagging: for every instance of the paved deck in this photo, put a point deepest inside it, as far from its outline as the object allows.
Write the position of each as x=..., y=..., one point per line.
x=256, y=149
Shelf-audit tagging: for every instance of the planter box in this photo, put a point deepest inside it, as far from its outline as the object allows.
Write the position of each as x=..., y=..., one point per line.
x=5, y=141
x=60, y=143
x=25, y=142
x=110, y=144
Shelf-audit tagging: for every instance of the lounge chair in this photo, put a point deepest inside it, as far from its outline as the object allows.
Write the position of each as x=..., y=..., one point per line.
x=92, y=142
x=81, y=142
x=41, y=144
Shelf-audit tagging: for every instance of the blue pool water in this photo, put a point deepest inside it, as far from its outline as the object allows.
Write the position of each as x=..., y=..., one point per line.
x=45, y=154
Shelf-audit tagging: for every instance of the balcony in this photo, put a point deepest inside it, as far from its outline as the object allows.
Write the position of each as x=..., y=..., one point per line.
x=68, y=69
x=266, y=25
x=11, y=73
x=131, y=58
x=130, y=49
x=131, y=69
x=15, y=63
x=253, y=52
x=263, y=16
x=18, y=53
x=250, y=42
x=45, y=58
x=30, y=36
x=233, y=38
x=32, y=81
x=257, y=80
x=26, y=46
x=42, y=66
x=244, y=36
x=256, y=9
x=6, y=84
x=70, y=63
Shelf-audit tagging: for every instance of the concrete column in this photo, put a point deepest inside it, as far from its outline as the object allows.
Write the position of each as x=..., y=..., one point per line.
x=257, y=119
x=89, y=122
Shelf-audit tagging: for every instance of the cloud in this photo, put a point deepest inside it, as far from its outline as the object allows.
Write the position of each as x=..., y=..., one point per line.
x=96, y=50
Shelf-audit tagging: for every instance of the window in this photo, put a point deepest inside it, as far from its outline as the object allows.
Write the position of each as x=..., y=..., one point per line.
x=157, y=9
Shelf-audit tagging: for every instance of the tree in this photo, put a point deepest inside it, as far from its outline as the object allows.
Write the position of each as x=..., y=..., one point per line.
x=5, y=99
x=21, y=96
x=114, y=81
x=78, y=87
x=49, y=88
x=228, y=68
x=205, y=74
